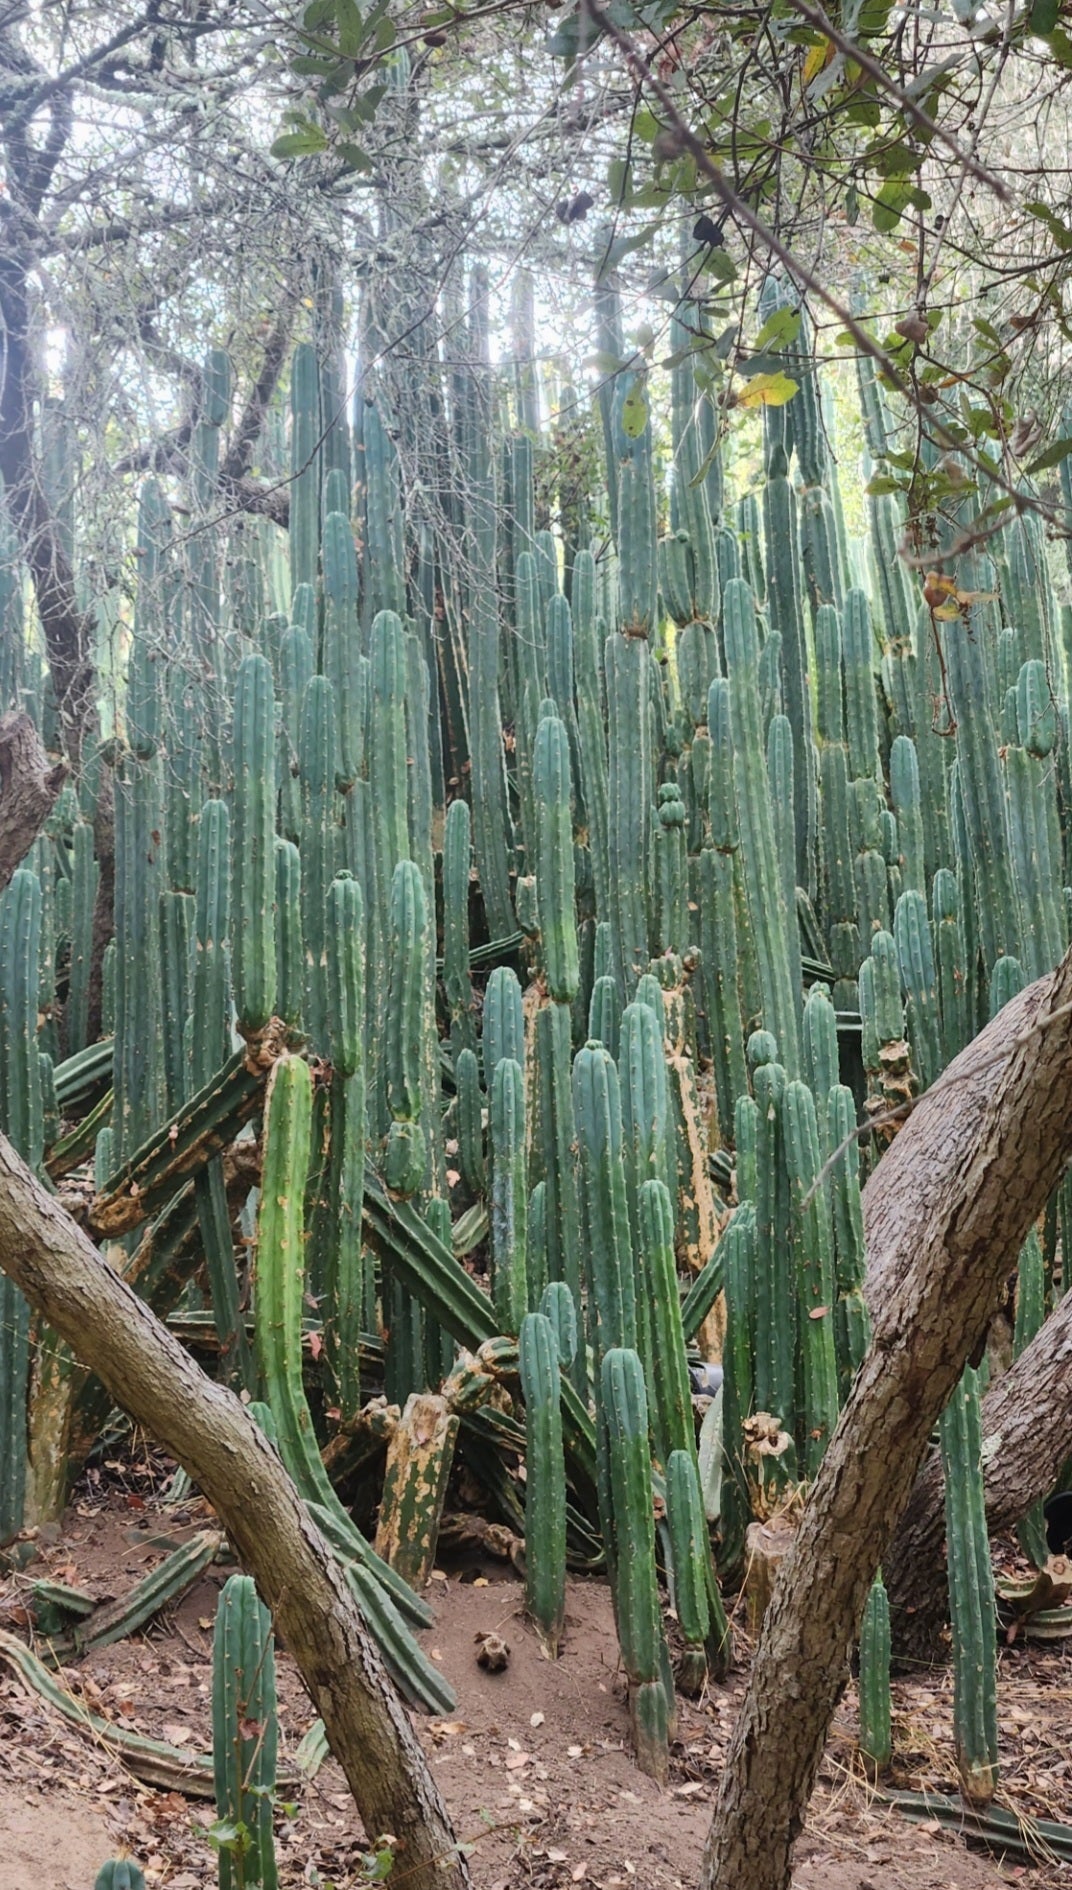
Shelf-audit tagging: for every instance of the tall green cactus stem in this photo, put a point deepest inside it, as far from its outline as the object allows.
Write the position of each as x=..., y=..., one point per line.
x=559, y=1306
x=421, y=819
x=289, y=949
x=509, y=1196
x=387, y=745
x=504, y=1024
x=406, y=1153
x=557, y=1135
x=775, y=1311
x=591, y=734
x=345, y=1280
x=787, y=622
x=691, y=1551
x=253, y=846
x=210, y=1048
x=244, y=1735
x=457, y=982
x=635, y=533
x=384, y=556
x=604, y=1210
x=185, y=720
x=774, y=929
x=971, y=1595
x=646, y=1120
x=561, y=687
x=297, y=663
x=545, y=1481
x=85, y=877
x=672, y=919
x=624, y=1415
x=554, y=860
x=813, y=1246
x=470, y=1130
x=905, y=794
x=670, y=1393
x=876, y=1741
x=304, y=465
x=718, y=968
x=952, y=971
x=605, y=1014
x=691, y=509
x=738, y=1247
x=915, y=950
x=852, y=1325
x=318, y=848
x=492, y=827
x=858, y=654
x=967, y=666
x=821, y=1056
x=341, y=645
x=176, y=937
x=138, y=1071
x=629, y=803
x=1034, y=826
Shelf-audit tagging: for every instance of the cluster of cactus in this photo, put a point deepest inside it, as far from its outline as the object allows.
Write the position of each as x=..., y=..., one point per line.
x=712, y=823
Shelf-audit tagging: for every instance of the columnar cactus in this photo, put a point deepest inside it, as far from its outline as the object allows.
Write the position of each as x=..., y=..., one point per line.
x=545, y=1480
x=244, y=1737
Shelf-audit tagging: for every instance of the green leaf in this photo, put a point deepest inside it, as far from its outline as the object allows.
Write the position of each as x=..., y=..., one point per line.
x=778, y=330
x=1043, y=17
x=304, y=143
x=351, y=27
x=354, y=157
x=890, y=203
x=1051, y=455
x=720, y=265
x=882, y=484
x=1059, y=230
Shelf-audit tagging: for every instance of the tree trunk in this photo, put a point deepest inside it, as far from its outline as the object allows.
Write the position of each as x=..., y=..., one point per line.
x=206, y=1428
x=29, y=788
x=1027, y=1436
x=946, y=1213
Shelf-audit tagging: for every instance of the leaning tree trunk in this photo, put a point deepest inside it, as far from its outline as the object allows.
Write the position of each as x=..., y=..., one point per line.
x=30, y=785
x=211, y=1434
x=1027, y=1436
x=945, y=1214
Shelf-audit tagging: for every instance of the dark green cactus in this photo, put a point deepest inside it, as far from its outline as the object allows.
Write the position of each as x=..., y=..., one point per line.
x=876, y=1742
x=509, y=1196
x=971, y=1595
x=624, y=1416
x=253, y=846
x=604, y=1212
x=406, y=1152
x=545, y=1481
x=244, y=1737
x=554, y=860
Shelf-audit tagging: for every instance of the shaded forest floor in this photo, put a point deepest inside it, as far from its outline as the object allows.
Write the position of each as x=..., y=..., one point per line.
x=534, y=1765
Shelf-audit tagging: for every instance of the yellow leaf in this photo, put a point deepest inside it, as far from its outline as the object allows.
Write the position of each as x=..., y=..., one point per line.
x=767, y=390
x=818, y=57
x=947, y=612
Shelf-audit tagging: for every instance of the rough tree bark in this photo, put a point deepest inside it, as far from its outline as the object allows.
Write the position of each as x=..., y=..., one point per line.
x=945, y=1214
x=29, y=787
x=210, y=1433
x=1027, y=1436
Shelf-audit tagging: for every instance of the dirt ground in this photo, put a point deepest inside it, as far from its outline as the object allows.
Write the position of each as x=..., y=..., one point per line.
x=534, y=1765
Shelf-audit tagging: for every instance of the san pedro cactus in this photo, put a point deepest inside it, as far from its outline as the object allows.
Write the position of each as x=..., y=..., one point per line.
x=971, y=1595
x=554, y=860
x=253, y=846
x=545, y=1481
x=244, y=1737
x=120, y=1873
x=815, y=1272
x=876, y=1742
x=407, y=1149
x=509, y=1196
x=604, y=1213
x=624, y=1415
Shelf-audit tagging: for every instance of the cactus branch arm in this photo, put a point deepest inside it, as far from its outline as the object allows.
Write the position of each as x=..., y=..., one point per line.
x=945, y=1215
x=29, y=787
x=218, y=1443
